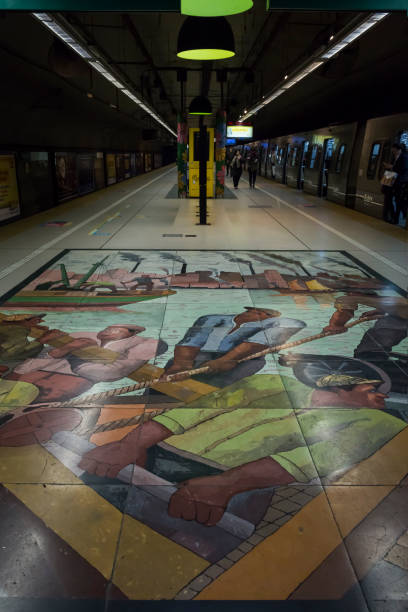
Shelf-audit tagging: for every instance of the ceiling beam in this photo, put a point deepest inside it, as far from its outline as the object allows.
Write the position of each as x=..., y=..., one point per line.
x=127, y=20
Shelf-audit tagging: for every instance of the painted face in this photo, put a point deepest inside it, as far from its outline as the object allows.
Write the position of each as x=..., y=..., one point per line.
x=365, y=395
x=114, y=333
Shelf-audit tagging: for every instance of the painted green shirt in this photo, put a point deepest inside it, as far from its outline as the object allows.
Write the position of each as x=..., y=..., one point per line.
x=253, y=419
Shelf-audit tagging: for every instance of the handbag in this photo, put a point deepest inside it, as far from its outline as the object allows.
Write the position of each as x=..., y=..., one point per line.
x=388, y=178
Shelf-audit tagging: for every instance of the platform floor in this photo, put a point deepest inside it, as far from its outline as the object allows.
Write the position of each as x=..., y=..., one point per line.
x=277, y=479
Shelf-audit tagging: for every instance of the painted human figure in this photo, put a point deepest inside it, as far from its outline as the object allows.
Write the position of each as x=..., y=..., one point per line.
x=16, y=340
x=61, y=375
x=251, y=432
x=221, y=341
x=388, y=331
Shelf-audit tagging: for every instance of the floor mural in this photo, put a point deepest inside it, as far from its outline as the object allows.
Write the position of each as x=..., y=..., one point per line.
x=204, y=425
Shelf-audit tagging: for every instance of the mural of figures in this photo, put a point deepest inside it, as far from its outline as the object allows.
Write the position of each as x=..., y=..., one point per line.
x=220, y=413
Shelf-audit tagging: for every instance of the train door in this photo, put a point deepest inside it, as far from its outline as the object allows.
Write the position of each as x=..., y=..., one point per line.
x=285, y=162
x=302, y=164
x=328, y=148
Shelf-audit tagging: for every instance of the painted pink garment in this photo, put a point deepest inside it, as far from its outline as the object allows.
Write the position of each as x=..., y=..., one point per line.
x=133, y=353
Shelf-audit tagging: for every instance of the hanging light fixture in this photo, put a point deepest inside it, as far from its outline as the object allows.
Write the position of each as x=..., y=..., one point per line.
x=205, y=38
x=214, y=8
x=200, y=106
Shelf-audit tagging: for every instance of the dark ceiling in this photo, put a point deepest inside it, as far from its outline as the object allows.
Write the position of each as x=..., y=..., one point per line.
x=364, y=80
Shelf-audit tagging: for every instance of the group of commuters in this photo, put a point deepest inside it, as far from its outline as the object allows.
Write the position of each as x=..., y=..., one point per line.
x=235, y=163
x=396, y=193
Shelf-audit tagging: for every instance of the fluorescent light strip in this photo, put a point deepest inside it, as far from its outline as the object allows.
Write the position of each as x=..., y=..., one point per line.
x=48, y=21
x=356, y=33
x=63, y=35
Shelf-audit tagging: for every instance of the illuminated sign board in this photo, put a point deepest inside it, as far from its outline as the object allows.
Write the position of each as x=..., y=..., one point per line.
x=240, y=131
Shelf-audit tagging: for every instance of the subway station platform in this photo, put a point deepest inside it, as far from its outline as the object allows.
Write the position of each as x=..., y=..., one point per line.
x=273, y=478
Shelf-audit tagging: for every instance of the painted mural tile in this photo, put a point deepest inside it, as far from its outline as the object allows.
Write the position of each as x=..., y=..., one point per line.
x=325, y=409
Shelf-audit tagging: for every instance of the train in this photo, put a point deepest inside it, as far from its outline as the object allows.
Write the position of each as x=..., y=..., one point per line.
x=341, y=163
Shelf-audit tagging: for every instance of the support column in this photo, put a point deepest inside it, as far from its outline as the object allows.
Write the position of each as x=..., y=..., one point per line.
x=220, y=152
x=182, y=140
x=203, y=149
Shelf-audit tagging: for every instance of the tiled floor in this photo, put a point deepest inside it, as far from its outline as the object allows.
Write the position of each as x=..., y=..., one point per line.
x=275, y=481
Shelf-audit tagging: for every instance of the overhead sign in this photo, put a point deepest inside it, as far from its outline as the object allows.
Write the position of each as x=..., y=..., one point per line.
x=240, y=131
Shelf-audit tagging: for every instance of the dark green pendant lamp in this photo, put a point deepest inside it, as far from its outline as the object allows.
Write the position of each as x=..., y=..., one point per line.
x=200, y=106
x=205, y=38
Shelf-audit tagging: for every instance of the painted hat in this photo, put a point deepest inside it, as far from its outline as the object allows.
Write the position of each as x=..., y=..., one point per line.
x=319, y=371
x=274, y=313
x=340, y=380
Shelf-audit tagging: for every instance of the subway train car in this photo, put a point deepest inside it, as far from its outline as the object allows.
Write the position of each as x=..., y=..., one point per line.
x=380, y=134
x=341, y=163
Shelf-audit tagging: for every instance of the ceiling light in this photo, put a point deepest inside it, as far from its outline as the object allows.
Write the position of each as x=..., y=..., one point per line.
x=90, y=53
x=286, y=76
x=205, y=38
x=59, y=31
x=200, y=106
x=371, y=21
x=214, y=8
x=331, y=37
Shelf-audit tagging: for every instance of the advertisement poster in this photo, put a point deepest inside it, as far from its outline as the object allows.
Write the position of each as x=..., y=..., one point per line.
x=34, y=181
x=9, y=199
x=99, y=171
x=148, y=162
x=67, y=175
x=86, y=174
x=133, y=164
x=120, y=168
x=126, y=164
x=140, y=163
x=110, y=168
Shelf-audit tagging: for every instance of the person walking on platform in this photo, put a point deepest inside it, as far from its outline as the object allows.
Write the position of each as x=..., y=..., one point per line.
x=253, y=163
x=400, y=187
x=236, y=168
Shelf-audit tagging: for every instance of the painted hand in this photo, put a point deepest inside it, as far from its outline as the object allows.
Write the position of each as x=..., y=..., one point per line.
x=220, y=365
x=108, y=460
x=75, y=345
x=335, y=329
x=200, y=499
x=50, y=336
x=176, y=368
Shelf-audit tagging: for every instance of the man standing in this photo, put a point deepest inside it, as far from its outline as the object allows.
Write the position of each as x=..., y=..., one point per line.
x=221, y=341
x=257, y=440
x=388, y=331
x=62, y=373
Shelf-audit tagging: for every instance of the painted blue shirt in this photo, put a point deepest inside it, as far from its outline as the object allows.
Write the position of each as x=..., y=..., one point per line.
x=212, y=332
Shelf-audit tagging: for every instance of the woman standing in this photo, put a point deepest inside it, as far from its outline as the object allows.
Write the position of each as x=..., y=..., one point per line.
x=236, y=168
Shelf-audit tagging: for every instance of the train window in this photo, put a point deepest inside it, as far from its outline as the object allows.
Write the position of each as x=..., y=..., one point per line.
x=294, y=159
x=313, y=156
x=385, y=158
x=373, y=161
x=340, y=158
